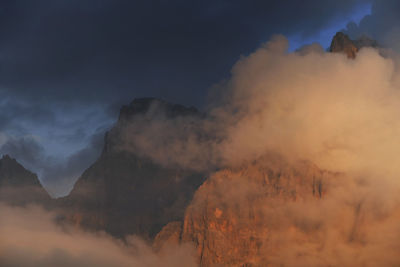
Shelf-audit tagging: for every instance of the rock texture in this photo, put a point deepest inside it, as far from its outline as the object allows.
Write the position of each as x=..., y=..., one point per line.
x=124, y=193
x=341, y=43
x=19, y=186
x=169, y=235
x=234, y=214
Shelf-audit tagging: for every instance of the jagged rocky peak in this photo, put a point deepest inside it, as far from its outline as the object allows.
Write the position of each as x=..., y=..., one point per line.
x=124, y=192
x=232, y=217
x=343, y=44
x=140, y=106
x=18, y=186
x=149, y=109
x=14, y=174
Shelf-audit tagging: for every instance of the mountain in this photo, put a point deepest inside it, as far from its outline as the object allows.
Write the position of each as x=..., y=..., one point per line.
x=227, y=219
x=237, y=216
x=341, y=43
x=125, y=192
x=19, y=186
x=273, y=212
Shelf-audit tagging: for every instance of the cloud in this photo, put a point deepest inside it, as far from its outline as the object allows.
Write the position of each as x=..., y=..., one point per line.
x=59, y=73
x=88, y=51
x=31, y=237
x=382, y=24
x=60, y=174
x=57, y=174
x=267, y=212
x=337, y=113
x=340, y=114
x=26, y=148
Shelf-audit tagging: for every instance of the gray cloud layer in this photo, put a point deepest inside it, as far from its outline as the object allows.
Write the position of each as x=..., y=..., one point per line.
x=383, y=24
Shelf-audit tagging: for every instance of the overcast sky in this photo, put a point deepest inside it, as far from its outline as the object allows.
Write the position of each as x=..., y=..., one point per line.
x=66, y=66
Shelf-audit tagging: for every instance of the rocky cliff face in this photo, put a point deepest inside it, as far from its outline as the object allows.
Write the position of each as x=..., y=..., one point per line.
x=19, y=186
x=341, y=43
x=126, y=193
x=237, y=216
x=228, y=217
x=272, y=212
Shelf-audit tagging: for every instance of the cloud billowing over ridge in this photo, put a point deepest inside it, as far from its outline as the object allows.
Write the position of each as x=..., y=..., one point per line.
x=338, y=113
x=310, y=105
x=70, y=61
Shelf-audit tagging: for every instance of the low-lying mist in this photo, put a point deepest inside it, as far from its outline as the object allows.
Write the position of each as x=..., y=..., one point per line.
x=31, y=236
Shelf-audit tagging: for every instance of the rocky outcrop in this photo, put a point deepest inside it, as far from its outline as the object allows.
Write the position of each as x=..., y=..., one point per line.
x=19, y=186
x=169, y=235
x=125, y=193
x=341, y=43
x=235, y=213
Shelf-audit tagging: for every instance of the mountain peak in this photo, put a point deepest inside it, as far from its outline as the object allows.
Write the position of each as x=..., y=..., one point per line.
x=7, y=158
x=18, y=186
x=343, y=44
x=13, y=173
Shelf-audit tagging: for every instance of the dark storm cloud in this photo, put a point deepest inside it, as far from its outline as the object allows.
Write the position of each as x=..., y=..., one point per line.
x=94, y=50
x=26, y=149
x=14, y=112
x=66, y=66
x=383, y=24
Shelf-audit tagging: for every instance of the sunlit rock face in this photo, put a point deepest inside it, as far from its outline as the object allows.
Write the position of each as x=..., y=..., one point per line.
x=236, y=212
x=126, y=193
x=19, y=186
x=170, y=235
x=341, y=43
x=272, y=212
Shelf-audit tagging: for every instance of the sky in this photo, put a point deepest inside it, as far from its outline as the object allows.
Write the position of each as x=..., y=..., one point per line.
x=66, y=67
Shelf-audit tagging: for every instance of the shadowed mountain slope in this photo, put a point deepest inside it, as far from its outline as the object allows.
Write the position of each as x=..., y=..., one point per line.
x=19, y=186
x=126, y=193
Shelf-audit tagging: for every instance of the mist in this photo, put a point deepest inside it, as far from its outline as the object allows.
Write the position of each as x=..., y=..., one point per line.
x=311, y=105
x=339, y=114
x=31, y=236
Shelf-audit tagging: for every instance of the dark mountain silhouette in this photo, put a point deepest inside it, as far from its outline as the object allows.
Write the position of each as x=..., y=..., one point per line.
x=124, y=193
x=19, y=186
